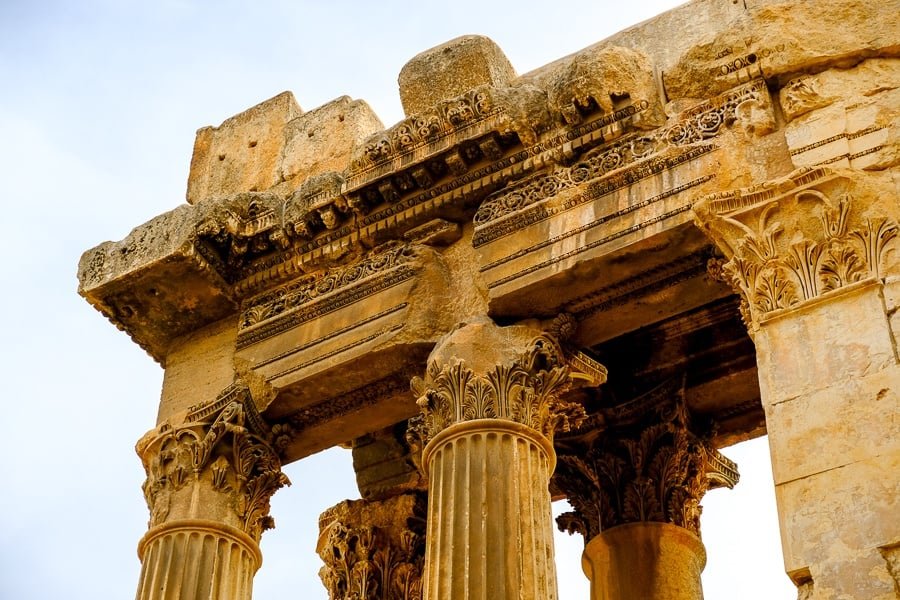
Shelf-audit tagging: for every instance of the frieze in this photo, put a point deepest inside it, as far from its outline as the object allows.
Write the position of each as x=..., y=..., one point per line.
x=325, y=291
x=658, y=278
x=695, y=125
x=340, y=350
x=331, y=408
x=588, y=247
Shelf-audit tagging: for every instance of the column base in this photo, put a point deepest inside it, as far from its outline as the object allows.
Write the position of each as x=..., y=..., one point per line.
x=646, y=560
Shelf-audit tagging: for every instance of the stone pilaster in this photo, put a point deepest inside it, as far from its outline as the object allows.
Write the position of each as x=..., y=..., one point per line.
x=209, y=481
x=492, y=400
x=374, y=549
x=814, y=257
x=636, y=490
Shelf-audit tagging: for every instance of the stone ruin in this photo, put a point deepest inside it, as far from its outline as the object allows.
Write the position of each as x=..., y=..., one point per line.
x=580, y=283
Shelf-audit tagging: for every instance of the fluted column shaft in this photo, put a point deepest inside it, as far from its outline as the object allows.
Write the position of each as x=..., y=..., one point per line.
x=209, y=481
x=489, y=520
x=195, y=558
x=491, y=401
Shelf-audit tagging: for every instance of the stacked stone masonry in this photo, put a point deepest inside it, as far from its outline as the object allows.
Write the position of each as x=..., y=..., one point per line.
x=580, y=282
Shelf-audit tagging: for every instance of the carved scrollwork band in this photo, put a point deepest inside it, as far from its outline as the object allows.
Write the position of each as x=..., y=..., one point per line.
x=649, y=465
x=227, y=451
x=789, y=242
x=696, y=125
x=528, y=392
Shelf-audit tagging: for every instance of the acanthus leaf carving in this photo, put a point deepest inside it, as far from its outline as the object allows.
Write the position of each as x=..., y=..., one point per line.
x=528, y=391
x=655, y=468
x=223, y=445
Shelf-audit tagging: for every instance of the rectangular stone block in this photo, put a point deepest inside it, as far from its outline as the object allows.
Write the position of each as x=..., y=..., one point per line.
x=199, y=366
x=831, y=353
x=849, y=422
x=243, y=154
x=834, y=523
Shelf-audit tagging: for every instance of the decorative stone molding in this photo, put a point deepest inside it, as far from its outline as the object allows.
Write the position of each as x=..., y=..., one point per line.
x=527, y=391
x=703, y=122
x=792, y=240
x=218, y=465
x=648, y=466
x=325, y=291
x=373, y=550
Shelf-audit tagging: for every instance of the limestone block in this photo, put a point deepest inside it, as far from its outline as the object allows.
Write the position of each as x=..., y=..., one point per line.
x=845, y=116
x=833, y=524
x=831, y=353
x=839, y=425
x=780, y=40
x=154, y=284
x=243, y=154
x=385, y=464
x=321, y=139
x=451, y=69
x=609, y=78
x=199, y=365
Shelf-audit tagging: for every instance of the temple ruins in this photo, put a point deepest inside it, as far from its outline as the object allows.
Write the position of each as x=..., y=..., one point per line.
x=580, y=282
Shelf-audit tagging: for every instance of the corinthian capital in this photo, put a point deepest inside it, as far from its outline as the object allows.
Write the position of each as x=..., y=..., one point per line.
x=516, y=373
x=795, y=239
x=650, y=464
x=217, y=465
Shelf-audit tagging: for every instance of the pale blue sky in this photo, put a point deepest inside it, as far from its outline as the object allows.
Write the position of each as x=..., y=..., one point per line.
x=99, y=102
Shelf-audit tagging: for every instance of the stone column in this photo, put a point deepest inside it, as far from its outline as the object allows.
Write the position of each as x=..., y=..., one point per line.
x=209, y=481
x=374, y=549
x=636, y=492
x=491, y=401
x=814, y=257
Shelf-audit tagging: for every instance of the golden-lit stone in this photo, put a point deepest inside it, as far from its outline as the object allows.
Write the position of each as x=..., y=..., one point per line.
x=707, y=203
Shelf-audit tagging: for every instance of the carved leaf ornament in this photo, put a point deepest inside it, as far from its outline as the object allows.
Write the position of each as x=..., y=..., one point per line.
x=235, y=460
x=829, y=259
x=528, y=392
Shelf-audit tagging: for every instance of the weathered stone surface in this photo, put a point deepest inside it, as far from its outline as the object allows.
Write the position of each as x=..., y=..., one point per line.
x=845, y=117
x=451, y=69
x=670, y=560
x=608, y=78
x=781, y=40
x=321, y=139
x=243, y=154
x=723, y=162
x=373, y=549
x=386, y=464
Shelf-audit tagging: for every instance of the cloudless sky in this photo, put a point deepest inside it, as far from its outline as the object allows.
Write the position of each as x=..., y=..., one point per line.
x=99, y=102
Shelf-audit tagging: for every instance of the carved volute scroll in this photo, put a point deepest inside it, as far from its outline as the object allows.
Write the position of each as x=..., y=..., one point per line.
x=373, y=550
x=792, y=240
x=525, y=388
x=649, y=465
x=218, y=465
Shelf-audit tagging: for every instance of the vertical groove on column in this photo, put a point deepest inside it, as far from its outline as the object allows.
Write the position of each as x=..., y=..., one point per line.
x=196, y=563
x=489, y=517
